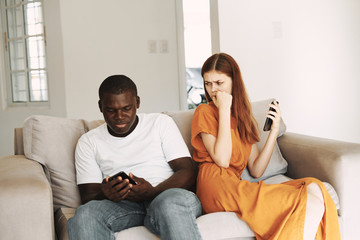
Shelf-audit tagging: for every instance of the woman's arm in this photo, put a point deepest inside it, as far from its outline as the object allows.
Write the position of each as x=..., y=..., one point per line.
x=220, y=147
x=258, y=162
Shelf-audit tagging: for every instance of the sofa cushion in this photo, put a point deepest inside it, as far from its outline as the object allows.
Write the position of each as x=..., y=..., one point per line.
x=62, y=215
x=277, y=164
x=223, y=225
x=136, y=233
x=219, y=225
x=51, y=141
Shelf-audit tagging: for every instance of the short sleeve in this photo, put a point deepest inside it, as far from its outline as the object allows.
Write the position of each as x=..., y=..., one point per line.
x=87, y=169
x=173, y=144
x=205, y=120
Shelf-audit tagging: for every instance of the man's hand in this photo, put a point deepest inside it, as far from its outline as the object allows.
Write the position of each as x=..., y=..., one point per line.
x=142, y=191
x=116, y=189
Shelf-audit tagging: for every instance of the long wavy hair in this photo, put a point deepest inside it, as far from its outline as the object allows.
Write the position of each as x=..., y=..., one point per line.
x=241, y=107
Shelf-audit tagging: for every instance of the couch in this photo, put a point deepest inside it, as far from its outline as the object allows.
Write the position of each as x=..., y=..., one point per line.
x=38, y=192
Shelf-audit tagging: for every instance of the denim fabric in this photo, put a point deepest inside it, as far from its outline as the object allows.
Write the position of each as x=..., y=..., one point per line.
x=171, y=215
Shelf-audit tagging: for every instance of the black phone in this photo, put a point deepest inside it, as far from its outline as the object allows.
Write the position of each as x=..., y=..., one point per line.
x=268, y=121
x=124, y=176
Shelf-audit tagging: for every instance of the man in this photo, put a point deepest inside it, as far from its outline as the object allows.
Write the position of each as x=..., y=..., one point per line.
x=151, y=149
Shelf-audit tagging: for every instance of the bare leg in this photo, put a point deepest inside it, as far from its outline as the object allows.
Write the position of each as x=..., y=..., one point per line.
x=314, y=211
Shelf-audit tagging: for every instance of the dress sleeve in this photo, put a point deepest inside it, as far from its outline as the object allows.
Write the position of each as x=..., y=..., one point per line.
x=205, y=120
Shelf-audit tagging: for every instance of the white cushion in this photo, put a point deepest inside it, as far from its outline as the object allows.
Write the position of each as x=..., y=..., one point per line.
x=51, y=141
x=136, y=233
x=277, y=164
x=223, y=225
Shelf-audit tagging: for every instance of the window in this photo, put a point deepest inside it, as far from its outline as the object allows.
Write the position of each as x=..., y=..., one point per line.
x=24, y=51
x=198, y=46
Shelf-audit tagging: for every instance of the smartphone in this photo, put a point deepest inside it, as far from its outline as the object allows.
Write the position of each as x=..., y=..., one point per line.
x=124, y=176
x=268, y=121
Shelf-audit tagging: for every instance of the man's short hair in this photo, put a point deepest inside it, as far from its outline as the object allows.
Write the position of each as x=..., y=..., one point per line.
x=117, y=84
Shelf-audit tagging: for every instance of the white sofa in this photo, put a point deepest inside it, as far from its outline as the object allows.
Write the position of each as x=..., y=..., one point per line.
x=38, y=192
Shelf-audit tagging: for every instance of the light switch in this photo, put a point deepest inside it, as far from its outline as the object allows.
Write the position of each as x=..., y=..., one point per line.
x=152, y=46
x=163, y=46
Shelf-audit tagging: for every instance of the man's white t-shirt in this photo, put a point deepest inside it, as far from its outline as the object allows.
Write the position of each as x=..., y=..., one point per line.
x=145, y=152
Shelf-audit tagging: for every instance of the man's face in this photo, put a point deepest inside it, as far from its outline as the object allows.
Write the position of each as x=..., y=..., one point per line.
x=119, y=112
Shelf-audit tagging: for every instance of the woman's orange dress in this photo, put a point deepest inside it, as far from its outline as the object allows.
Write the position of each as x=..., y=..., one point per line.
x=274, y=211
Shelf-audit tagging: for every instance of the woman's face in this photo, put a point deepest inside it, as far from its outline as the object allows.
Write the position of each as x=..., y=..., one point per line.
x=217, y=81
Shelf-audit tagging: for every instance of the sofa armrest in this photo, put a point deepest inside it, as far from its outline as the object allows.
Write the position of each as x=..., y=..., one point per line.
x=26, y=203
x=332, y=161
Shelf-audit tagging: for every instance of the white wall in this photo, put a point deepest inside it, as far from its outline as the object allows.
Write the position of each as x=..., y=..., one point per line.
x=102, y=38
x=11, y=117
x=310, y=64
x=304, y=53
x=88, y=40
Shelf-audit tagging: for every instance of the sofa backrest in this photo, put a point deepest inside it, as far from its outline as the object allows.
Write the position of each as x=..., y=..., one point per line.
x=51, y=141
x=183, y=120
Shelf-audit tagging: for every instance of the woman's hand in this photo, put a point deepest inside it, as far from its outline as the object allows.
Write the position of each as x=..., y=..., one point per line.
x=222, y=100
x=275, y=116
x=258, y=161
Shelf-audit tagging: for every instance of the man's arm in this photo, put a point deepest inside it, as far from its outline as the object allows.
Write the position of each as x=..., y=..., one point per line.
x=184, y=177
x=115, y=190
x=90, y=191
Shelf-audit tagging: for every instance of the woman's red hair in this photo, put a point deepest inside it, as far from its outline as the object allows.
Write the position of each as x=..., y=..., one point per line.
x=240, y=108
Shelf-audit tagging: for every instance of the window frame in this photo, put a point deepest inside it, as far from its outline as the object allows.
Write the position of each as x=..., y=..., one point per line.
x=6, y=80
x=215, y=45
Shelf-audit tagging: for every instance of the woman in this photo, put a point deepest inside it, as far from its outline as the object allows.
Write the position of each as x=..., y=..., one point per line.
x=224, y=133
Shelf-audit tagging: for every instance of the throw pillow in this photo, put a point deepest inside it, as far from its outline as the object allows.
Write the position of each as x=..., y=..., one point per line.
x=51, y=141
x=277, y=164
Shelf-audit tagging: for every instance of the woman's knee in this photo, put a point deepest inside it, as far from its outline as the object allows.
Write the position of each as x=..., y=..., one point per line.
x=315, y=190
x=315, y=200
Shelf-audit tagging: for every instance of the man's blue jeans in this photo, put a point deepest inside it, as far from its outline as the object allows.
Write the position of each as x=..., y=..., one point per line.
x=171, y=215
